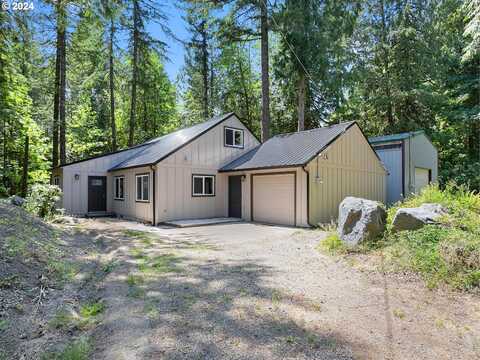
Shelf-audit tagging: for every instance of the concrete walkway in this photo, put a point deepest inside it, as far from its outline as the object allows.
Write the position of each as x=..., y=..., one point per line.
x=203, y=222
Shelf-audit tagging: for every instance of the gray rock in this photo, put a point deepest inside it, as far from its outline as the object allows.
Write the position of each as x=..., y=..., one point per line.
x=17, y=200
x=360, y=220
x=416, y=218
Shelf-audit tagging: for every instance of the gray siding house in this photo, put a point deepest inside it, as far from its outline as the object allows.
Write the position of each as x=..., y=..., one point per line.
x=411, y=160
x=219, y=169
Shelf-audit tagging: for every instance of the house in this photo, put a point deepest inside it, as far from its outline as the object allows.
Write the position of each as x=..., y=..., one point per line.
x=411, y=160
x=218, y=168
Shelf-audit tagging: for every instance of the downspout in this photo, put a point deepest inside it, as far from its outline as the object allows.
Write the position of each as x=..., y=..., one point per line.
x=154, y=195
x=308, y=195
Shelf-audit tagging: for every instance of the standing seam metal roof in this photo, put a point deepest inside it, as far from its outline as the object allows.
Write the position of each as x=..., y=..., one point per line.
x=394, y=137
x=157, y=149
x=293, y=149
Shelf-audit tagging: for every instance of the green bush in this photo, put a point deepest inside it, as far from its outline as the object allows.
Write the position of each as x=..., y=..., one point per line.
x=42, y=199
x=445, y=253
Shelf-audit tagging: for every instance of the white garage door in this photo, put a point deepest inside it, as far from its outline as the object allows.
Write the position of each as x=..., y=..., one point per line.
x=421, y=179
x=274, y=199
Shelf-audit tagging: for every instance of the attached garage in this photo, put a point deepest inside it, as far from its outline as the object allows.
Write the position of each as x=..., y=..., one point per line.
x=299, y=179
x=273, y=198
x=411, y=160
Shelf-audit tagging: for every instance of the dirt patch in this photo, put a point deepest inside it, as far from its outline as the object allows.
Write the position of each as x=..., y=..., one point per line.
x=241, y=291
x=47, y=277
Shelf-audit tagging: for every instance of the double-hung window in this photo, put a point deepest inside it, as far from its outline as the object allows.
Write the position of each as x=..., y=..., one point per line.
x=119, y=188
x=56, y=180
x=203, y=185
x=233, y=137
x=142, y=187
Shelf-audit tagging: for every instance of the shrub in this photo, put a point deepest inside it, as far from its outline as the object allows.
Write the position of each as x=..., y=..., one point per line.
x=42, y=200
x=448, y=252
x=333, y=244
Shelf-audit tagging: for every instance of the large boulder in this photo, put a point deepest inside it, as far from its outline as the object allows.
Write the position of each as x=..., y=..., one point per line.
x=360, y=220
x=416, y=218
x=17, y=200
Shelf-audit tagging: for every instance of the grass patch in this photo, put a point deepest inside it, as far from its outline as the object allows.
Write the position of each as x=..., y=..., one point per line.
x=143, y=236
x=160, y=264
x=399, y=313
x=134, y=289
x=332, y=244
x=443, y=253
x=92, y=309
x=85, y=319
x=62, y=270
x=80, y=349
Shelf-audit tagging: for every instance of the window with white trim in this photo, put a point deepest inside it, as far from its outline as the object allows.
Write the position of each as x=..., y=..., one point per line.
x=119, y=188
x=233, y=137
x=56, y=180
x=142, y=187
x=203, y=185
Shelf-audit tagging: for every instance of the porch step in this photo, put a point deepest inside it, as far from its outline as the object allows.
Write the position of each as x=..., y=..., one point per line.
x=202, y=222
x=100, y=214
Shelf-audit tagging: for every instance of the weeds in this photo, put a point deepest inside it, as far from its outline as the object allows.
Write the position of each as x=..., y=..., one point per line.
x=80, y=349
x=448, y=252
x=333, y=244
x=3, y=325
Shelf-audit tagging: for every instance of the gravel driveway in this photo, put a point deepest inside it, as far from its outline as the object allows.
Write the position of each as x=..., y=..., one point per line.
x=246, y=291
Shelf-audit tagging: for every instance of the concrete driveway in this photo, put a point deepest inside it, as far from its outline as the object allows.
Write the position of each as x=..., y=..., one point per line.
x=247, y=291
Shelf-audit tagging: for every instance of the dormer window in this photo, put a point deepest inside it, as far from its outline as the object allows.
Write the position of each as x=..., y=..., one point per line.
x=233, y=137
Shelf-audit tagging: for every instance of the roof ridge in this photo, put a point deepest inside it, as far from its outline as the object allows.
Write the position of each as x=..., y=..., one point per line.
x=314, y=129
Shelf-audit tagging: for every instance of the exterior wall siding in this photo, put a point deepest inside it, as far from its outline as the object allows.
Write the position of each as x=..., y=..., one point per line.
x=348, y=167
x=129, y=207
x=205, y=156
x=423, y=155
x=75, y=192
x=301, y=192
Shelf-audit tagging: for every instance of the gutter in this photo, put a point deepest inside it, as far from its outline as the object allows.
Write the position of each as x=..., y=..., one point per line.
x=308, y=196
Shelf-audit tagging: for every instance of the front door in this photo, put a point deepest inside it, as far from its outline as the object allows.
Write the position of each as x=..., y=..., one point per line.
x=235, y=196
x=97, y=193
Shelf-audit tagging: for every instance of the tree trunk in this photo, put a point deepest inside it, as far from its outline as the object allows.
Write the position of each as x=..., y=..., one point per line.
x=301, y=101
x=112, y=87
x=57, y=89
x=203, y=33
x=25, y=168
x=136, y=36
x=265, y=128
x=386, y=65
x=244, y=89
x=61, y=100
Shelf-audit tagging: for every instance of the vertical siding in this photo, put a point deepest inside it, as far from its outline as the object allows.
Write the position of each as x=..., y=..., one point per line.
x=423, y=155
x=129, y=207
x=204, y=155
x=301, y=195
x=349, y=167
x=75, y=192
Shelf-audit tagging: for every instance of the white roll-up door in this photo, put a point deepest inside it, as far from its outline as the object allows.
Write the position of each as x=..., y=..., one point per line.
x=273, y=198
x=421, y=179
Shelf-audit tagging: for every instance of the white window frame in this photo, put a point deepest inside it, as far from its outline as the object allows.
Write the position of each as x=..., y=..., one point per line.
x=203, y=177
x=56, y=180
x=234, y=130
x=144, y=198
x=115, y=179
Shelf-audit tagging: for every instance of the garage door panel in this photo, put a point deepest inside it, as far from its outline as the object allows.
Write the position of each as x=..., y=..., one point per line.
x=422, y=177
x=274, y=198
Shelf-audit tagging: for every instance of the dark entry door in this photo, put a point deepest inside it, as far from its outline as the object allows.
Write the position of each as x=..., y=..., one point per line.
x=235, y=196
x=97, y=193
